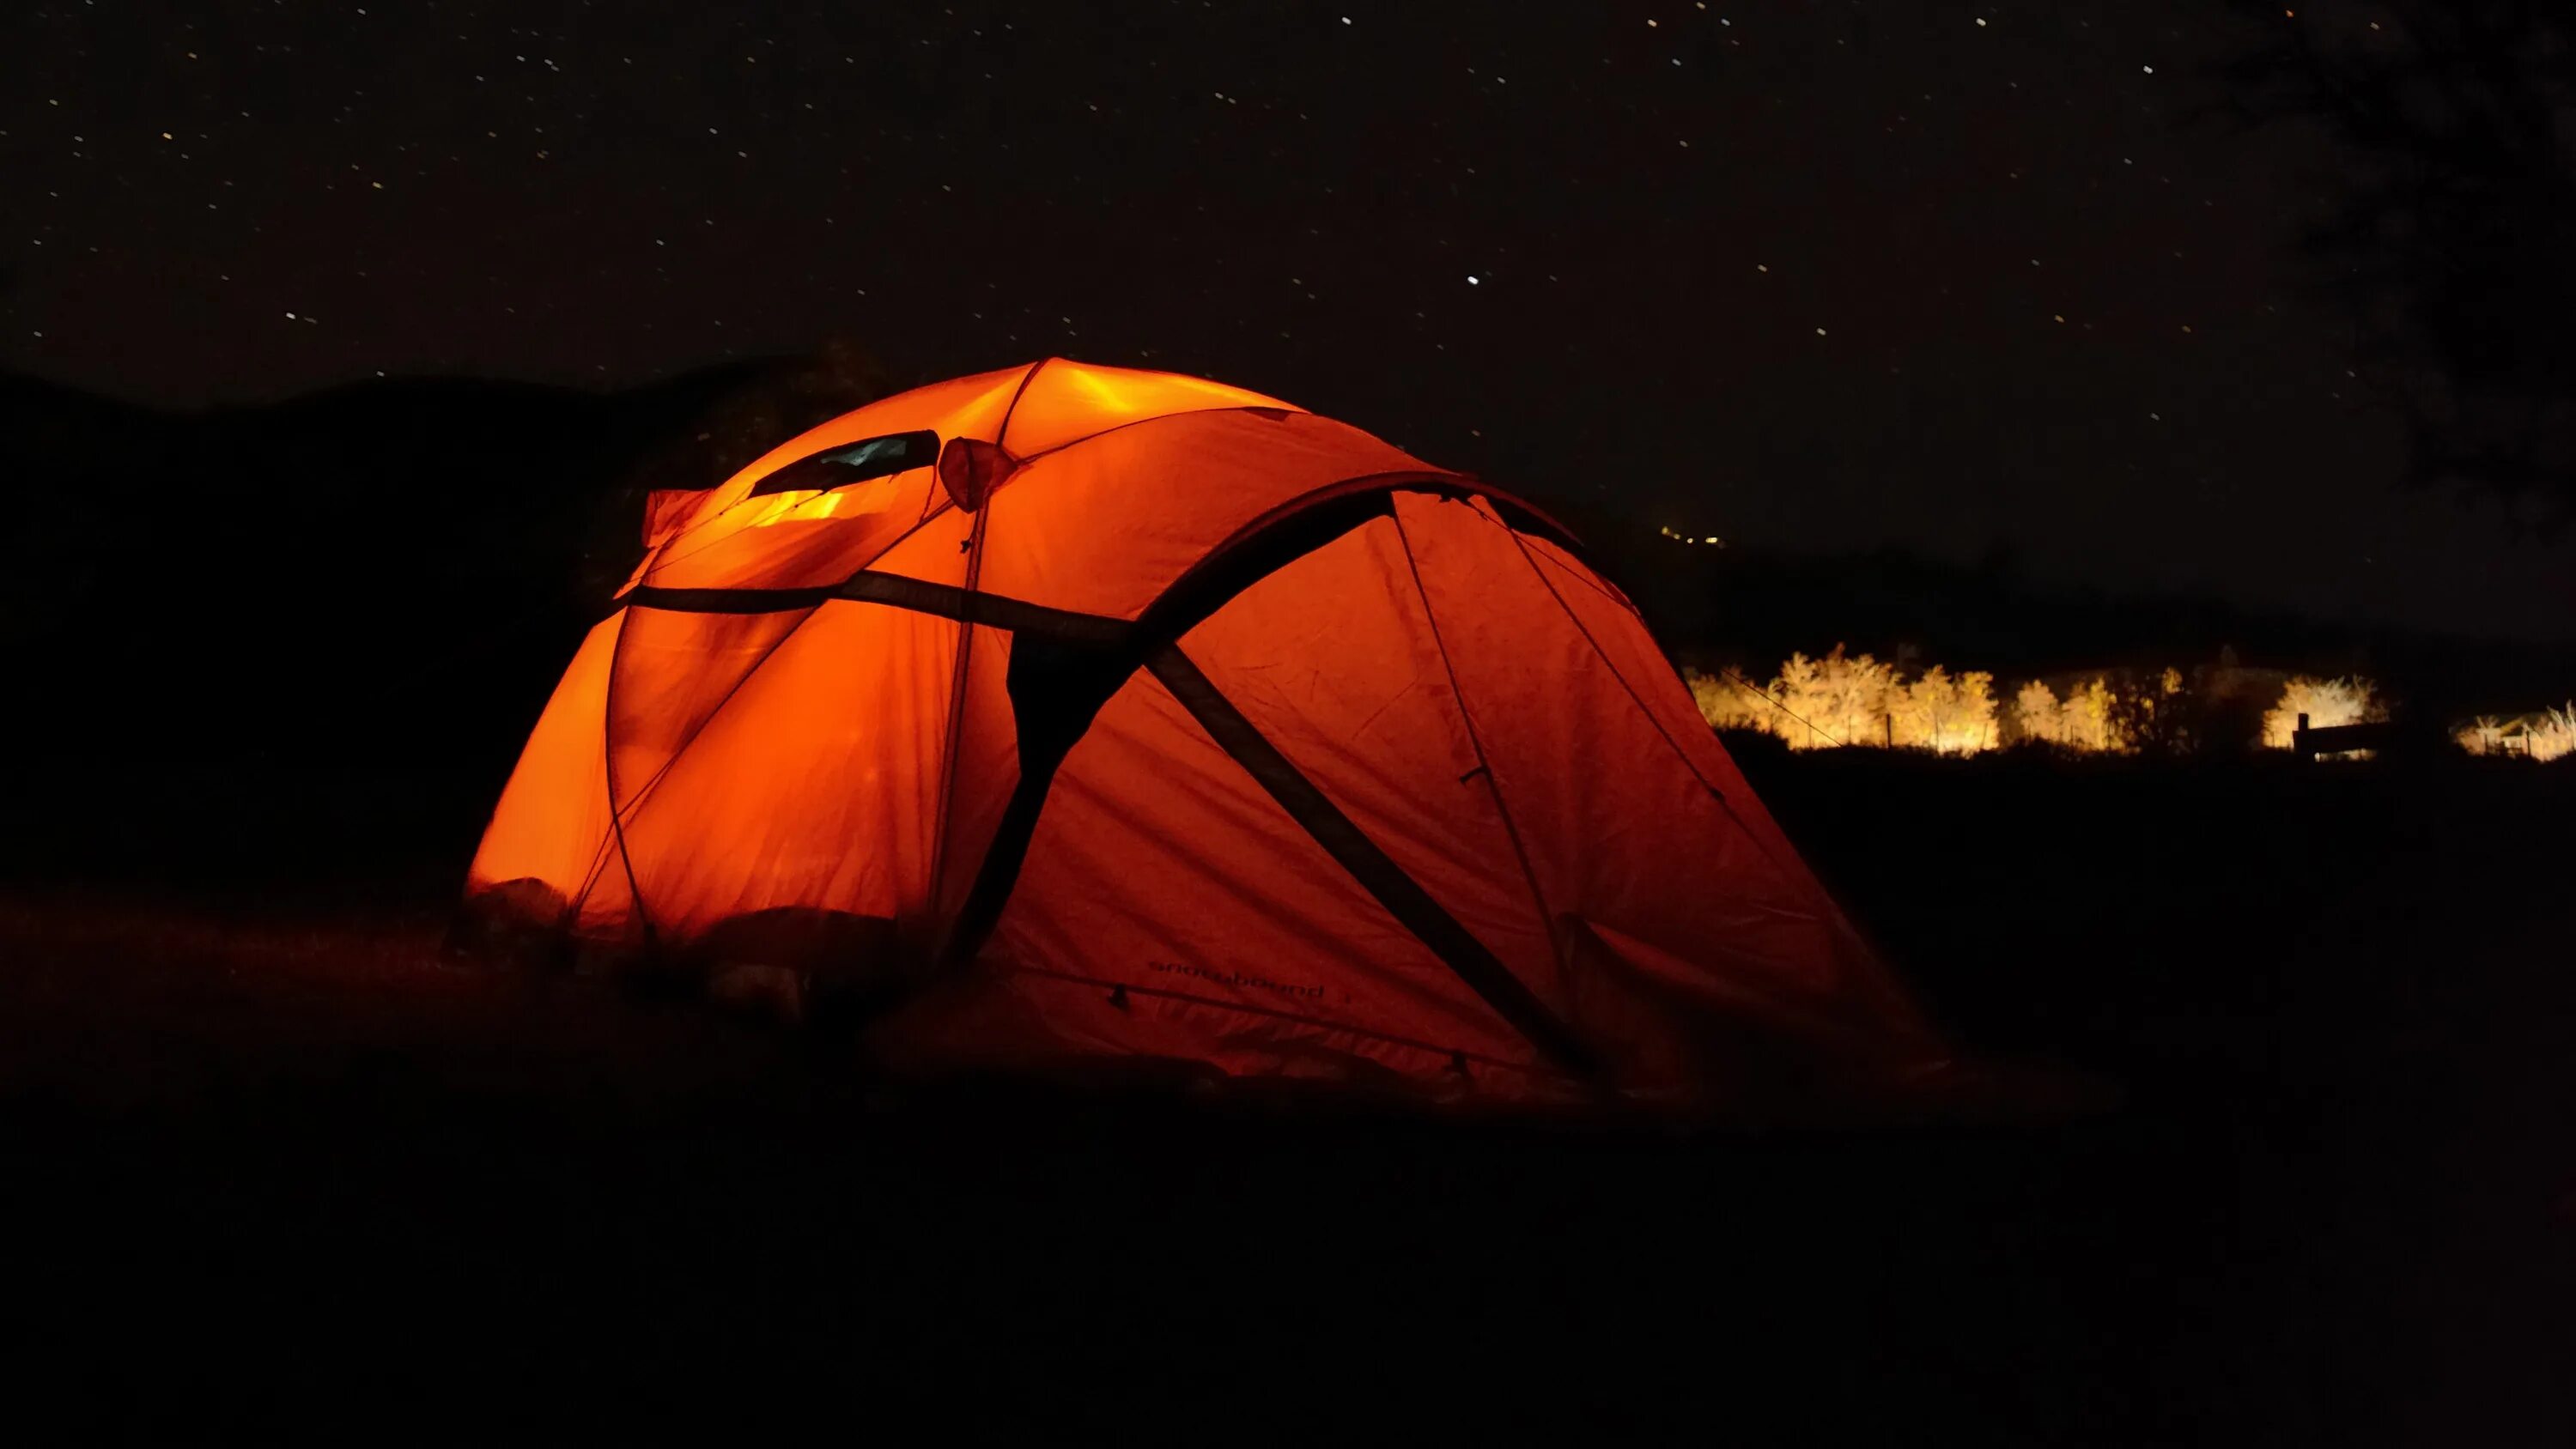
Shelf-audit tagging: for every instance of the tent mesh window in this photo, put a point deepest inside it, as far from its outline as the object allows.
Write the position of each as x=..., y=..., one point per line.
x=853, y=463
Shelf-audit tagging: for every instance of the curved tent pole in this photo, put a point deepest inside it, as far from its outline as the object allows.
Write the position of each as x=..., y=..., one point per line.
x=1066, y=665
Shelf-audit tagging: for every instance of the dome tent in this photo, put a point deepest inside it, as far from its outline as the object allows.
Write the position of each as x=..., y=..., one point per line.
x=1072, y=713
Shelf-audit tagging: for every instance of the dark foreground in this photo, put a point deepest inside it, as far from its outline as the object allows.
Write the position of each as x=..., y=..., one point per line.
x=269, y=1163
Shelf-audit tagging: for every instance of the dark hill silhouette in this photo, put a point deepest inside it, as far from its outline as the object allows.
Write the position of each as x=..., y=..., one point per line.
x=1749, y=609
x=402, y=565
x=391, y=560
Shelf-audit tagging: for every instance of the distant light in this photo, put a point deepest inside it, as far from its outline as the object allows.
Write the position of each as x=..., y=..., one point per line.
x=1471, y=279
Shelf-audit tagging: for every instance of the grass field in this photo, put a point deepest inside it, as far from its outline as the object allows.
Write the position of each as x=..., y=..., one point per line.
x=271, y=1162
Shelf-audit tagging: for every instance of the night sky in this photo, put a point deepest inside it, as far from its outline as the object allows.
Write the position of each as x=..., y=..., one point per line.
x=1817, y=276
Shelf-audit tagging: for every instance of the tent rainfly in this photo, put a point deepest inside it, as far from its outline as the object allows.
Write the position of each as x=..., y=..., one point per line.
x=1071, y=716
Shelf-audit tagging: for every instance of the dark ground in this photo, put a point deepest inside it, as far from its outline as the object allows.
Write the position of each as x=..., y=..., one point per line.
x=266, y=1161
x=269, y=1162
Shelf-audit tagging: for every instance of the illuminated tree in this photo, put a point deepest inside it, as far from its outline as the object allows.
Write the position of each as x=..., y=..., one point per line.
x=1801, y=692
x=2554, y=736
x=1976, y=729
x=2156, y=717
x=1922, y=708
x=2085, y=718
x=2480, y=736
x=2035, y=713
x=1931, y=713
x=2326, y=702
x=1728, y=703
x=1864, y=691
x=1837, y=700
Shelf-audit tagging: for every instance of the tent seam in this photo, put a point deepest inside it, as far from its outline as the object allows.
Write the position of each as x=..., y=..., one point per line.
x=1832, y=914
x=1054, y=448
x=618, y=814
x=957, y=681
x=1535, y=1068
x=982, y=907
x=929, y=494
x=1002, y=430
x=1484, y=766
x=608, y=765
x=1638, y=700
x=1394, y=888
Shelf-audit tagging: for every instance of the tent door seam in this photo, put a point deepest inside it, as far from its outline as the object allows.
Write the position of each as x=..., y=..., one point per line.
x=1484, y=766
x=1393, y=887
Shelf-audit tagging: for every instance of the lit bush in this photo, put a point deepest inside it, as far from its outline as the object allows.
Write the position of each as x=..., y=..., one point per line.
x=1728, y=703
x=2326, y=703
x=1843, y=699
x=2548, y=735
x=1942, y=714
x=2553, y=735
x=2085, y=718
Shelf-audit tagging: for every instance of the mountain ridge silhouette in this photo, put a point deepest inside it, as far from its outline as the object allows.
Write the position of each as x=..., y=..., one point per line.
x=252, y=575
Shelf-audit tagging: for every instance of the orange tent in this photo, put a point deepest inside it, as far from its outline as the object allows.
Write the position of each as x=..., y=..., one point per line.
x=1073, y=713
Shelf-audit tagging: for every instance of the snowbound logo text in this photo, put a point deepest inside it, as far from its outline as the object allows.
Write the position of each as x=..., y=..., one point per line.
x=1238, y=980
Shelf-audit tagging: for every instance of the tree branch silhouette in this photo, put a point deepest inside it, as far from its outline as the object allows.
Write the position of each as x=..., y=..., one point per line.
x=2452, y=243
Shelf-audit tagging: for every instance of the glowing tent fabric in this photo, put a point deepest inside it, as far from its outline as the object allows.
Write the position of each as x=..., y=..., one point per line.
x=1076, y=714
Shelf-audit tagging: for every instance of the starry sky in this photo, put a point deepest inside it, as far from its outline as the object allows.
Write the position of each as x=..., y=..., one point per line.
x=1807, y=274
